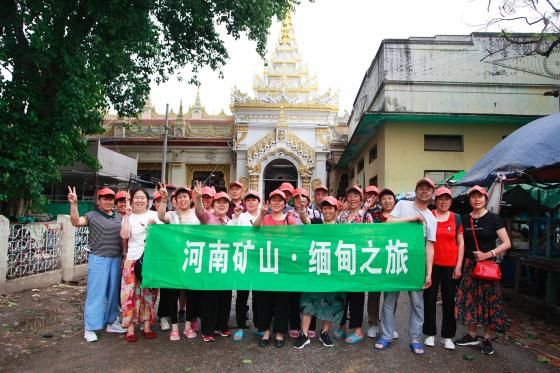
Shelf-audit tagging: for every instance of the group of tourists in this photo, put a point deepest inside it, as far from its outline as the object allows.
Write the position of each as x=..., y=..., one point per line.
x=453, y=245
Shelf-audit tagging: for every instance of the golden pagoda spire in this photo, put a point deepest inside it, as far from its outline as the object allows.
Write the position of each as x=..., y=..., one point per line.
x=287, y=30
x=180, y=114
x=197, y=99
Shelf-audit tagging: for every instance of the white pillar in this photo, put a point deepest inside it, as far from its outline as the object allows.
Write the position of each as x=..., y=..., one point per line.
x=241, y=169
x=321, y=167
x=4, y=236
x=67, y=242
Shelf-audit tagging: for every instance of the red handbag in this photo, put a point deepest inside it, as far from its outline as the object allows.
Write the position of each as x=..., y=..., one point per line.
x=487, y=270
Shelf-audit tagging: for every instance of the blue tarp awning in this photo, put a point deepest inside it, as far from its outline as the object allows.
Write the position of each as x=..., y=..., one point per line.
x=536, y=145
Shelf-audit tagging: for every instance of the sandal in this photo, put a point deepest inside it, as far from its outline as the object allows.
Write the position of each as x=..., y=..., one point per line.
x=353, y=339
x=294, y=333
x=382, y=344
x=130, y=338
x=189, y=333
x=174, y=336
x=238, y=335
x=149, y=335
x=339, y=334
x=417, y=348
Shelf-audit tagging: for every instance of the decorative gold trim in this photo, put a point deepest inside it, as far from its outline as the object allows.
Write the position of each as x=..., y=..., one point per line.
x=192, y=168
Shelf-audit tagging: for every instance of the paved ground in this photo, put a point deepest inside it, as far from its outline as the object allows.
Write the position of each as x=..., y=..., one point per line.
x=42, y=331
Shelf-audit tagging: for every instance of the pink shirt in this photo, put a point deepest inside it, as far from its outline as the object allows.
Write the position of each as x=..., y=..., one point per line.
x=268, y=221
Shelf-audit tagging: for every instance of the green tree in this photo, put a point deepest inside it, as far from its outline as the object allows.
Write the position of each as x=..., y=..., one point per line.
x=63, y=63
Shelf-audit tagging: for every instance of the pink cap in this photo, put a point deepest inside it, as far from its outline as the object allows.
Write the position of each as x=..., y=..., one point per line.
x=425, y=180
x=120, y=195
x=321, y=187
x=286, y=187
x=277, y=192
x=300, y=191
x=207, y=191
x=443, y=190
x=235, y=183
x=372, y=189
x=386, y=191
x=252, y=193
x=219, y=195
x=355, y=188
x=479, y=189
x=105, y=192
x=331, y=201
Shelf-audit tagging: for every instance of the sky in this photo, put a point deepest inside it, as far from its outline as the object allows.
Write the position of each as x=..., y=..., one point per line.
x=337, y=39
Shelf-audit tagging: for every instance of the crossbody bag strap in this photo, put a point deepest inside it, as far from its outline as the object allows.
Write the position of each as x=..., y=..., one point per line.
x=474, y=234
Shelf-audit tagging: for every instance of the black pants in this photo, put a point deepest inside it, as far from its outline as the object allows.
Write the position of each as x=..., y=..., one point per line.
x=168, y=304
x=443, y=276
x=294, y=314
x=215, y=307
x=272, y=306
x=354, y=305
x=193, y=305
x=373, y=308
x=241, y=308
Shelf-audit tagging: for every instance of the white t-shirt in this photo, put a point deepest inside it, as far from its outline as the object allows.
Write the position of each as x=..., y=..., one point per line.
x=245, y=219
x=138, y=224
x=174, y=218
x=405, y=209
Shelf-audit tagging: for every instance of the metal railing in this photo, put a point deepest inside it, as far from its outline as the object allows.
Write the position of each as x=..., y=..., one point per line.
x=81, y=245
x=33, y=248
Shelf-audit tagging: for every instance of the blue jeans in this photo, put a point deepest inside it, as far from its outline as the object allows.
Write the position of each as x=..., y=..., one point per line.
x=103, y=291
x=416, y=314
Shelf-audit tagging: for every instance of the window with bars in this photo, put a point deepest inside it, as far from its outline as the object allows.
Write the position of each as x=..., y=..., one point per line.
x=443, y=143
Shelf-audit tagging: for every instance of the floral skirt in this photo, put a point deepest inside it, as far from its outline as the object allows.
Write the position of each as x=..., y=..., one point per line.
x=137, y=303
x=324, y=306
x=479, y=302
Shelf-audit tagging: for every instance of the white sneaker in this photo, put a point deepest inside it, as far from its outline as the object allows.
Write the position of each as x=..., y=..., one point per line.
x=395, y=335
x=164, y=324
x=90, y=336
x=430, y=341
x=448, y=344
x=115, y=328
x=372, y=331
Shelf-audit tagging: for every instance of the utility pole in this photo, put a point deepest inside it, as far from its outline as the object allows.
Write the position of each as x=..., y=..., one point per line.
x=164, y=158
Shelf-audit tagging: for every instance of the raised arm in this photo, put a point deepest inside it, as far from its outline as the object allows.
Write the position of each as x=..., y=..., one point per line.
x=75, y=218
x=163, y=205
x=125, y=225
x=263, y=212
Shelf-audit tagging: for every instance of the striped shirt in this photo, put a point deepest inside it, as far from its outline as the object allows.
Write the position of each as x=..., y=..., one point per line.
x=104, y=233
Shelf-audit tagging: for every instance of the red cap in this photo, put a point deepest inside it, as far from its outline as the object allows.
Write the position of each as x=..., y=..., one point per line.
x=157, y=195
x=252, y=193
x=300, y=191
x=277, y=192
x=331, y=201
x=207, y=191
x=441, y=191
x=120, y=195
x=355, y=188
x=425, y=180
x=219, y=195
x=235, y=183
x=105, y=192
x=286, y=187
x=386, y=191
x=323, y=187
x=479, y=189
x=372, y=189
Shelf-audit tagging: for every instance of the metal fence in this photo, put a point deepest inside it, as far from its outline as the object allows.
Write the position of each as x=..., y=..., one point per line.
x=33, y=248
x=81, y=245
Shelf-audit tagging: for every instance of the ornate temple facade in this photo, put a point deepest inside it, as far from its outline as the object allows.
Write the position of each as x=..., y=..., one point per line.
x=285, y=131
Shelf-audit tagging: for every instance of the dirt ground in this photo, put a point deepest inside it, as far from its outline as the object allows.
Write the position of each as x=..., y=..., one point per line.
x=41, y=330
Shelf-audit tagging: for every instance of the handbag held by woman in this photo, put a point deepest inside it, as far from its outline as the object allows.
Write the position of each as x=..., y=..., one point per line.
x=487, y=270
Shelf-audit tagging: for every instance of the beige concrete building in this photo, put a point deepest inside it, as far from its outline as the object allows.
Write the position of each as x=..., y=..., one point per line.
x=433, y=106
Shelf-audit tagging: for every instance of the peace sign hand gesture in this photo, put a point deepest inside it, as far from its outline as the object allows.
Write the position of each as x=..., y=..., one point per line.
x=128, y=206
x=264, y=208
x=197, y=190
x=238, y=209
x=72, y=196
x=163, y=191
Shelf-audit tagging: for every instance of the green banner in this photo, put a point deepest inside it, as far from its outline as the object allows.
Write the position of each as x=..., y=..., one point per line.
x=310, y=258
